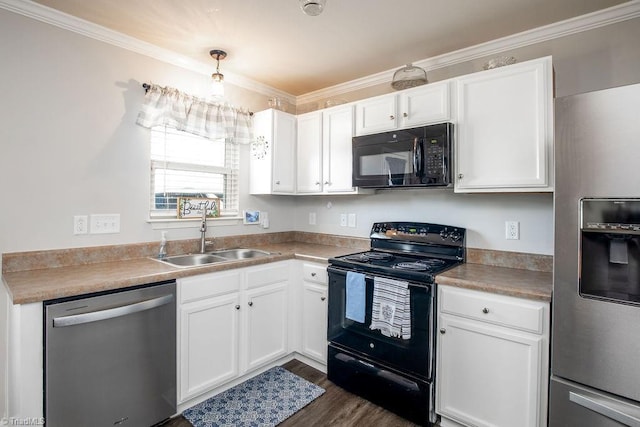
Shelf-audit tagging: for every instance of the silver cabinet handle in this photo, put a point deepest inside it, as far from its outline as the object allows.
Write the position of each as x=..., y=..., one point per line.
x=460, y=176
x=317, y=182
x=610, y=409
x=237, y=306
x=313, y=274
x=323, y=298
x=392, y=117
x=250, y=303
x=485, y=310
x=110, y=313
x=405, y=115
x=277, y=182
x=327, y=183
x=443, y=330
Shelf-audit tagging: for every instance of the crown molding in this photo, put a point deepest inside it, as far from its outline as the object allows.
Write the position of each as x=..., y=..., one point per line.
x=612, y=15
x=80, y=26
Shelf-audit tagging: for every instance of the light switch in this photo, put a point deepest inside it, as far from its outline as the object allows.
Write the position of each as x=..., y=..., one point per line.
x=105, y=223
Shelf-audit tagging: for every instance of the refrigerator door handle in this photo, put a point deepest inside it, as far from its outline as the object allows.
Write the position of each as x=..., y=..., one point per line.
x=608, y=408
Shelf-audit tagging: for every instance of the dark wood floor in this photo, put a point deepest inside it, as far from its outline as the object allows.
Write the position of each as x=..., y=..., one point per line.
x=336, y=407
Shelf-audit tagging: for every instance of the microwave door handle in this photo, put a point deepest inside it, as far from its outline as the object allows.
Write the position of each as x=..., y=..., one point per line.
x=417, y=156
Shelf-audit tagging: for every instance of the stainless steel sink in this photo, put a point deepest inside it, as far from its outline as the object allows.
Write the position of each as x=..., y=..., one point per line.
x=193, y=260
x=241, y=253
x=225, y=255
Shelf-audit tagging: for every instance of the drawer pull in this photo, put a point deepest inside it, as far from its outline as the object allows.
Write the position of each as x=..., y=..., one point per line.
x=323, y=298
x=250, y=303
x=443, y=330
x=238, y=307
x=485, y=310
x=313, y=274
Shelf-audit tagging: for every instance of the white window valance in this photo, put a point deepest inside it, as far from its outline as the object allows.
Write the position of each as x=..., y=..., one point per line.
x=165, y=106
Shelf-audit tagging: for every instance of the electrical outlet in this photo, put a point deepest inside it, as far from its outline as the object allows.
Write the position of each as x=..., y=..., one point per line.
x=512, y=230
x=352, y=220
x=343, y=220
x=312, y=218
x=80, y=224
x=105, y=223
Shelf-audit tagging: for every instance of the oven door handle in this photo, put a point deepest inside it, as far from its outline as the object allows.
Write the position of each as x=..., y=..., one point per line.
x=609, y=408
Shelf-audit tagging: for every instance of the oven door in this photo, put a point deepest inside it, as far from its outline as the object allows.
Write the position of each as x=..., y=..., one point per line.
x=412, y=355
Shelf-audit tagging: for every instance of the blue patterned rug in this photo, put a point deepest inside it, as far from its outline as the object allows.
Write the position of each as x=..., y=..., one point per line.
x=264, y=400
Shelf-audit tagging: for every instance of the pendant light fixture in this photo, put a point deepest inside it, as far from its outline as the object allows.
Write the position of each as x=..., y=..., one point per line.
x=312, y=7
x=217, y=88
x=408, y=76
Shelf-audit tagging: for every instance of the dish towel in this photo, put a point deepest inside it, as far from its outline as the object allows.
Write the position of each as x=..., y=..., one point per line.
x=355, y=305
x=391, y=311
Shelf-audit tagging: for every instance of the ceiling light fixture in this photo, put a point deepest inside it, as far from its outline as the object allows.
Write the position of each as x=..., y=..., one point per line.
x=217, y=88
x=312, y=7
x=408, y=76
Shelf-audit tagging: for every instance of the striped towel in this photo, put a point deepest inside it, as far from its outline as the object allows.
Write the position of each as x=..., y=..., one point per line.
x=391, y=311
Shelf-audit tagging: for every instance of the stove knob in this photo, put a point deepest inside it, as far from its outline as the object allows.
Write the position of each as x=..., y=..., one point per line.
x=444, y=234
x=455, y=236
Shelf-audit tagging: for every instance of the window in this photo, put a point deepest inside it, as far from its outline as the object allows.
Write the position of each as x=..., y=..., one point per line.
x=187, y=165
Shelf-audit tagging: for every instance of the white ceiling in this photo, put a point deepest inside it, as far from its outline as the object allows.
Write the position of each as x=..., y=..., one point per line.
x=274, y=43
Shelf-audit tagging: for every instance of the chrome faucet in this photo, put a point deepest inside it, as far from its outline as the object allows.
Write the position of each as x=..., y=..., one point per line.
x=203, y=230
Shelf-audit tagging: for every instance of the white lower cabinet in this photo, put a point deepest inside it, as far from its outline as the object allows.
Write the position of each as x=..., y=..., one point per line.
x=314, y=312
x=492, y=359
x=230, y=323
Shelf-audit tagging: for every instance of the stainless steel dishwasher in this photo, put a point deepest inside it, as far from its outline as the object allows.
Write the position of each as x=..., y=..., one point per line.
x=110, y=359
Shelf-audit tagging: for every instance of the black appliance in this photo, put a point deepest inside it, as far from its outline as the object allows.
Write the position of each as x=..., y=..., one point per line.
x=418, y=157
x=394, y=371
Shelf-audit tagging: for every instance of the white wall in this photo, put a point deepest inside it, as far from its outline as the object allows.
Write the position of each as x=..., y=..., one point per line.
x=483, y=215
x=69, y=144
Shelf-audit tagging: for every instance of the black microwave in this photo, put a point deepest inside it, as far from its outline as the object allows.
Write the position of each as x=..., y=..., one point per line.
x=418, y=157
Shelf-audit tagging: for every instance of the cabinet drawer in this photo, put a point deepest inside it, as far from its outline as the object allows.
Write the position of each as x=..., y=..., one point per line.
x=267, y=274
x=208, y=285
x=314, y=273
x=492, y=308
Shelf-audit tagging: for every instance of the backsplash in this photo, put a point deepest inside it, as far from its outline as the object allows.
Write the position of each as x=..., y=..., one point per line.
x=35, y=260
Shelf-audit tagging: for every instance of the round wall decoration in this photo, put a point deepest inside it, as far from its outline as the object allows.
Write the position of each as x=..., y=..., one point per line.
x=259, y=147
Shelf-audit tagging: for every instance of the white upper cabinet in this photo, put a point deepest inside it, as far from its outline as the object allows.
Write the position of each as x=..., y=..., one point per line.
x=377, y=114
x=273, y=156
x=309, y=175
x=337, y=131
x=424, y=105
x=324, y=151
x=504, y=133
x=413, y=107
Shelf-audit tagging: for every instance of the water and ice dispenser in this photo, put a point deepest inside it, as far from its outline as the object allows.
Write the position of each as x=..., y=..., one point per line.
x=610, y=249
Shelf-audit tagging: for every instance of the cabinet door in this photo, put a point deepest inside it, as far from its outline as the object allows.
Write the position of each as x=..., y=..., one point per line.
x=266, y=324
x=309, y=153
x=505, y=129
x=284, y=154
x=336, y=137
x=425, y=105
x=376, y=114
x=314, y=321
x=209, y=339
x=487, y=375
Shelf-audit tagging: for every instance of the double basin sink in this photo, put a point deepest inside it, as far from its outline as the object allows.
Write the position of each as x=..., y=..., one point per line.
x=193, y=260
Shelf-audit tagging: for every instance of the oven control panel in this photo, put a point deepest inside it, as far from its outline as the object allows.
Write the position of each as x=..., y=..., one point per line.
x=418, y=232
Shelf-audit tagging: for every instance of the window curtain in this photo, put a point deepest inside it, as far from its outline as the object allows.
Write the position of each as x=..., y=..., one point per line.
x=165, y=106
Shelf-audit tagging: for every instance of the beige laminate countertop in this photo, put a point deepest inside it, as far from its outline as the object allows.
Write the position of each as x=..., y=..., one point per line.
x=51, y=283
x=514, y=282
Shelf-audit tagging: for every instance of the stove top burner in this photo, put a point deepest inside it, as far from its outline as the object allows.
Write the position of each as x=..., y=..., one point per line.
x=370, y=256
x=413, y=266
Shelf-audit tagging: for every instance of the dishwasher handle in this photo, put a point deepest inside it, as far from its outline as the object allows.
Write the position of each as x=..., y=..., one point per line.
x=123, y=310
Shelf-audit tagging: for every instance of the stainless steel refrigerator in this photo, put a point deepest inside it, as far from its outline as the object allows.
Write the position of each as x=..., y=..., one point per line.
x=595, y=363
